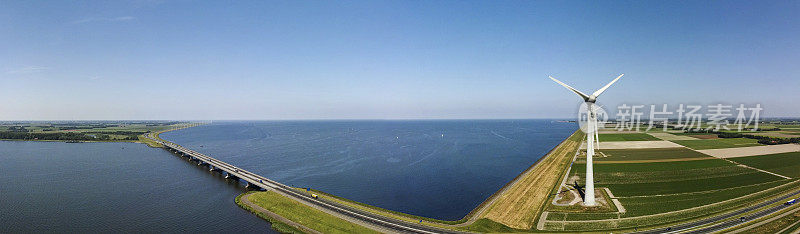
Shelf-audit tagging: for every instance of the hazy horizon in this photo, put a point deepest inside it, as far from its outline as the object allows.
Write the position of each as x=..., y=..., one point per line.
x=175, y=60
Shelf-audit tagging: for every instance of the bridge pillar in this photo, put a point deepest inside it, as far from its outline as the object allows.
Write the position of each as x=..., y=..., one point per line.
x=230, y=176
x=253, y=186
x=201, y=163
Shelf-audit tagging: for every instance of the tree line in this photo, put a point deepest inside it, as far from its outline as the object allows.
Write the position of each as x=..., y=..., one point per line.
x=766, y=140
x=62, y=136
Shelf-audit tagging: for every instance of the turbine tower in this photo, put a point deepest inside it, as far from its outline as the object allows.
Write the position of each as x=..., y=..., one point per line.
x=592, y=137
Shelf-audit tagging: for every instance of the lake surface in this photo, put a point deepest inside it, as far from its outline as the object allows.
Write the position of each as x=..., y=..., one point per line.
x=113, y=187
x=434, y=168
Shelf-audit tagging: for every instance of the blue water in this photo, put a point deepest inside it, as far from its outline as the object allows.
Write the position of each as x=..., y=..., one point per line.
x=57, y=187
x=433, y=168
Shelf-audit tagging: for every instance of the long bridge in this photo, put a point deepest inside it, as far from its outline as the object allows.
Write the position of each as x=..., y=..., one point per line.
x=256, y=181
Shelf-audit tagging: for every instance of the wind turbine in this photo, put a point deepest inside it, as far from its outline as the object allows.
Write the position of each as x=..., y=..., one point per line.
x=590, y=136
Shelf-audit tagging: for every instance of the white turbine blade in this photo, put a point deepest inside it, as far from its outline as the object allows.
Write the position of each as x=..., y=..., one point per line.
x=600, y=91
x=583, y=95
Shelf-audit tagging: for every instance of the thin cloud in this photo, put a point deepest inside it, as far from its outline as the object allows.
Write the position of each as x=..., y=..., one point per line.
x=113, y=19
x=124, y=18
x=28, y=70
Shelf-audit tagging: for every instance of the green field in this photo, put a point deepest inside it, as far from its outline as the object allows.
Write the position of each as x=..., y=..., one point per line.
x=605, y=175
x=129, y=131
x=692, y=133
x=673, y=179
x=659, y=186
x=638, y=206
x=787, y=164
x=663, y=166
x=695, y=184
x=718, y=143
x=649, y=154
x=305, y=215
x=627, y=137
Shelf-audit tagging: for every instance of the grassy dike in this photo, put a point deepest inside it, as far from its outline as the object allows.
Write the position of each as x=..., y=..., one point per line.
x=149, y=142
x=301, y=214
x=276, y=225
x=480, y=225
x=523, y=202
x=552, y=164
x=154, y=144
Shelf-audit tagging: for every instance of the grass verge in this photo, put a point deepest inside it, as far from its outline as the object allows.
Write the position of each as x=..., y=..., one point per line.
x=303, y=214
x=274, y=223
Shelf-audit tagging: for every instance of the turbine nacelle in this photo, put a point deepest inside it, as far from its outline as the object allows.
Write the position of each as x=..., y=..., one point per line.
x=588, y=98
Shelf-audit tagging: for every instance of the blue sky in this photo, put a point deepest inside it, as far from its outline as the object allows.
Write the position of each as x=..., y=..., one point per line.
x=388, y=59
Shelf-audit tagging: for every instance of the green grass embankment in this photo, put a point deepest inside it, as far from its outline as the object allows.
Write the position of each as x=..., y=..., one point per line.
x=274, y=223
x=301, y=214
x=385, y=212
x=149, y=142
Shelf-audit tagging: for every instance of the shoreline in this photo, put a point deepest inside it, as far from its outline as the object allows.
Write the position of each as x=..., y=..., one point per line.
x=476, y=214
x=503, y=189
x=277, y=222
x=463, y=224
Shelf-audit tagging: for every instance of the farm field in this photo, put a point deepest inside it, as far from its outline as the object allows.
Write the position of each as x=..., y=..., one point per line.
x=648, y=154
x=780, y=134
x=787, y=164
x=665, y=179
x=626, y=137
x=638, y=206
x=718, y=143
x=669, y=136
x=668, y=185
x=82, y=130
x=698, y=135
